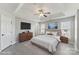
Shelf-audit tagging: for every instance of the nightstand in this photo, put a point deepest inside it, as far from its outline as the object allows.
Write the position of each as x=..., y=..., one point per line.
x=64, y=39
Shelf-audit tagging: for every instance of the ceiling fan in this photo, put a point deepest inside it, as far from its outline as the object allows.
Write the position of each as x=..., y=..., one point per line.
x=42, y=13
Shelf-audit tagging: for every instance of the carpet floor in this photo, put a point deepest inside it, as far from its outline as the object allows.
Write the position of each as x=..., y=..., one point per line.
x=27, y=48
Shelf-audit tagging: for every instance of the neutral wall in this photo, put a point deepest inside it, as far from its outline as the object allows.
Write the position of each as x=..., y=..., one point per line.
x=72, y=19
x=0, y=32
x=77, y=30
x=13, y=30
x=34, y=27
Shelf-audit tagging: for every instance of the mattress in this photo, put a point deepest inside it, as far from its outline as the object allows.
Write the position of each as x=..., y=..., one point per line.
x=47, y=41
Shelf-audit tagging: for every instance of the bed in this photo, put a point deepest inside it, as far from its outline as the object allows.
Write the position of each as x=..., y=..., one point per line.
x=49, y=42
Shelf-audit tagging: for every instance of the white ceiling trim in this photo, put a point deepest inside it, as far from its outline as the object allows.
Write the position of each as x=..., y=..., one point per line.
x=18, y=7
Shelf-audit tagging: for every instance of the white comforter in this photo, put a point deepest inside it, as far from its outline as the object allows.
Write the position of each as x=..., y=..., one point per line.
x=47, y=41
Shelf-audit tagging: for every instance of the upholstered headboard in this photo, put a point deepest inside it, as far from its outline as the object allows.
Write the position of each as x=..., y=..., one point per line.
x=54, y=30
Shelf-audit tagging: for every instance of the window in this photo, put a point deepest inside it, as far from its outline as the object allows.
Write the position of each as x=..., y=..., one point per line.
x=66, y=28
x=42, y=28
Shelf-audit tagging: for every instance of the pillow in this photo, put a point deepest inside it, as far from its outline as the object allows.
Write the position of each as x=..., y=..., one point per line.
x=55, y=33
x=49, y=34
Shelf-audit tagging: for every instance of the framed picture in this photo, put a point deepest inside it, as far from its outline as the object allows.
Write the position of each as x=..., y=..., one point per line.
x=52, y=26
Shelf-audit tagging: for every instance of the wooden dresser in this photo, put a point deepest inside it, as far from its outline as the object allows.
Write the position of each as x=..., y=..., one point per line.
x=64, y=39
x=25, y=36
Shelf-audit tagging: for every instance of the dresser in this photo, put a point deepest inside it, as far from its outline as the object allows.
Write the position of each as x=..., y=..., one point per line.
x=25, y=36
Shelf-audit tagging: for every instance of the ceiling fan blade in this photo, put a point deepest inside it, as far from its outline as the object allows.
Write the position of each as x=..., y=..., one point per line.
x=40, y=10
x=45, y=15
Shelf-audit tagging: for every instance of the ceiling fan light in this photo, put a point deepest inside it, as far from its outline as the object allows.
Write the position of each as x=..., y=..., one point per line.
x=41, y=14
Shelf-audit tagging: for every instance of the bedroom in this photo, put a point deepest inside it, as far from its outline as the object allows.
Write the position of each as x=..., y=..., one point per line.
x=36, y=26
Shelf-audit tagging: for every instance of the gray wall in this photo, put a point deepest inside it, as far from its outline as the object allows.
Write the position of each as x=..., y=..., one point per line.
x=78, y=29
x=34, y=27
x=72, y=18
x=0, y=32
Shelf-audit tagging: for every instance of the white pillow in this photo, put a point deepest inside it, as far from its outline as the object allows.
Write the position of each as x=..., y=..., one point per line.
x=47, y=32
x=55, y=33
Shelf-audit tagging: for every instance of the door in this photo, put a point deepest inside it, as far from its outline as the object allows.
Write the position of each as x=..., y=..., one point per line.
x=5, y=31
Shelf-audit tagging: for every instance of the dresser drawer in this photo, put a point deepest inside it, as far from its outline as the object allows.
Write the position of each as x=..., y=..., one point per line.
x=64, y=39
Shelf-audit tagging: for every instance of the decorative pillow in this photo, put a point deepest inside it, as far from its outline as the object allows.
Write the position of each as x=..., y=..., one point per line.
x=55, y=33
x=48, y=33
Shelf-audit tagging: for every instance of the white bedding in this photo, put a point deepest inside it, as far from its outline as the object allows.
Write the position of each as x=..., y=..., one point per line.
x=47, y=41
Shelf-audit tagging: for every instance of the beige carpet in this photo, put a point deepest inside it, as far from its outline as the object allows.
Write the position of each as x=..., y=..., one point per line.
x=26, y=48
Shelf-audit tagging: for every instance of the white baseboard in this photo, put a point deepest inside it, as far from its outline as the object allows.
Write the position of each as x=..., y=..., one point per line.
x=13, y=43
x=8, y=46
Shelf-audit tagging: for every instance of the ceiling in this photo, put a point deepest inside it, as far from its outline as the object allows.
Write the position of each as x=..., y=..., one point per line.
x=27, y=10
